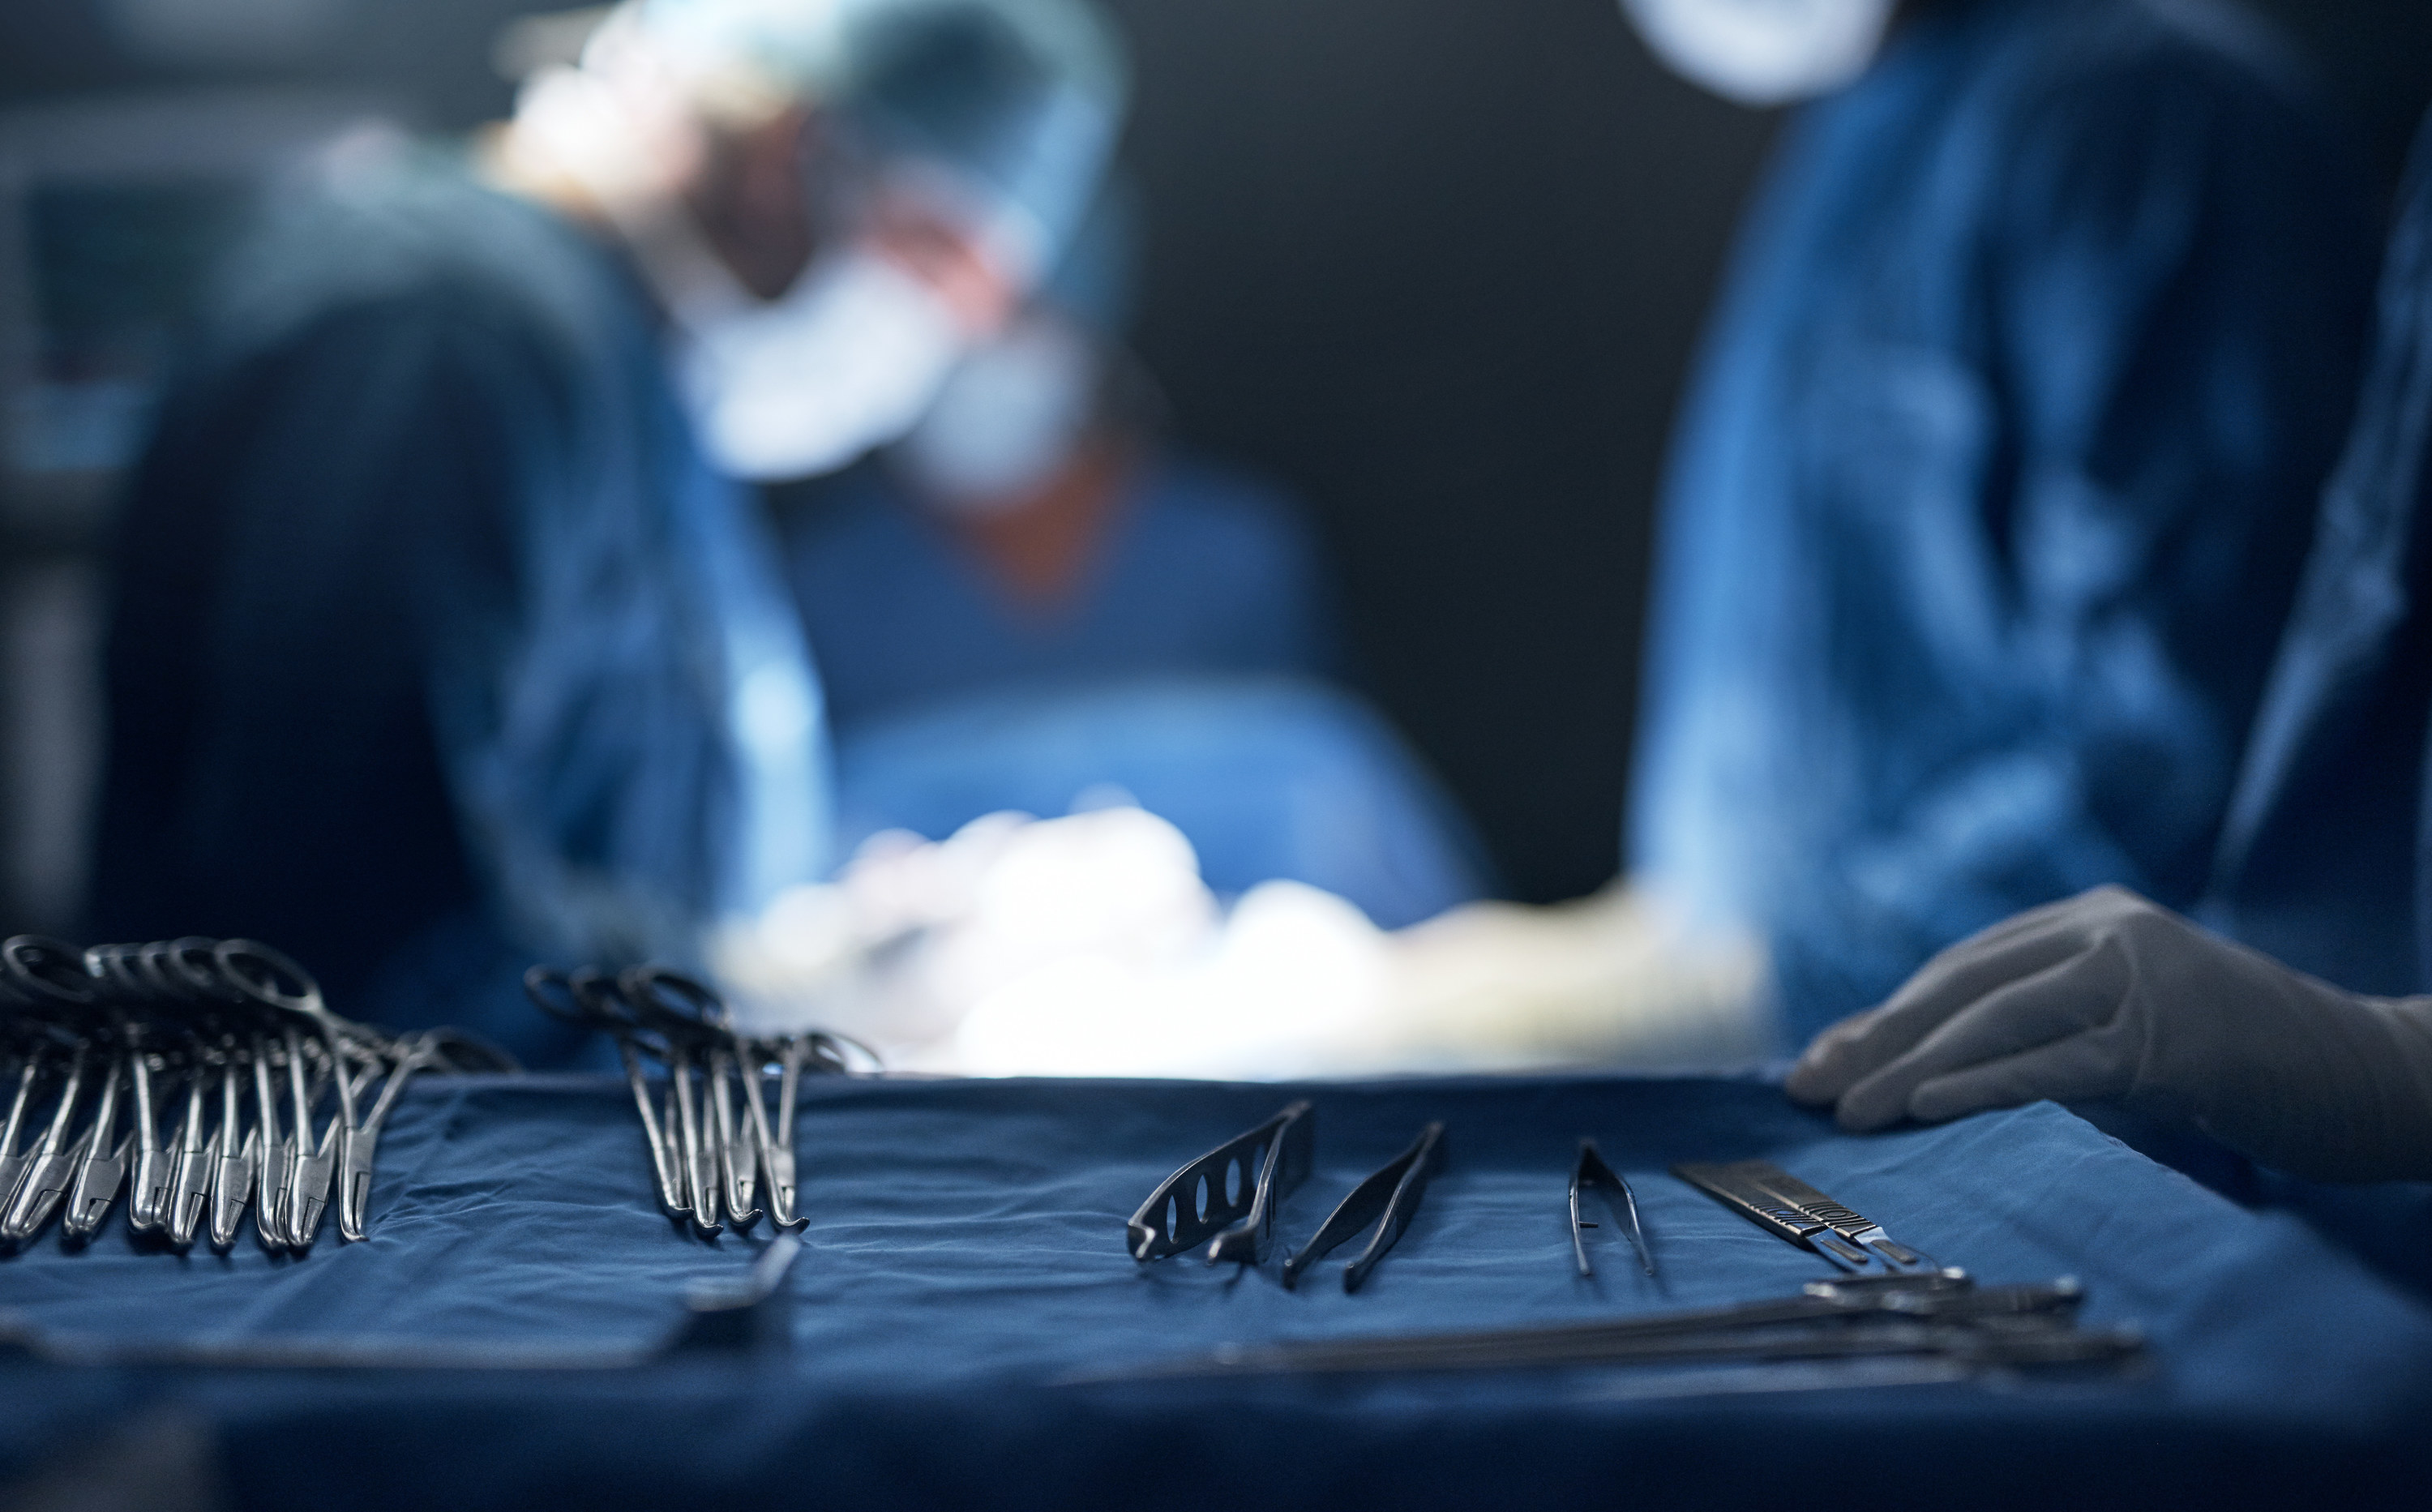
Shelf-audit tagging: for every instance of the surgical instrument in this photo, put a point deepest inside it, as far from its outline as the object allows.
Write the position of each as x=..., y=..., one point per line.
x=698, y=1036
x=1229, y=1196
x=1851, y=1225
x=721, y=1317
x=1388, y=1199
x=1775, y=1215
x=184, y=1030
x=1590, y=1171
x=776, y=1142
x=1940, y=1315
x=713, y=1147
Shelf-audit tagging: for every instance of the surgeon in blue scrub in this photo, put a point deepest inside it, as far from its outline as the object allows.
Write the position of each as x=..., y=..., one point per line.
x=1034, y=530
x=1990, y=497
x=444, y=639
x=2327, y=863
x=1031, y=603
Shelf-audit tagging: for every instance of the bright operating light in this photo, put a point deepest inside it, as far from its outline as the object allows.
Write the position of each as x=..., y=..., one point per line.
x=1088, y=946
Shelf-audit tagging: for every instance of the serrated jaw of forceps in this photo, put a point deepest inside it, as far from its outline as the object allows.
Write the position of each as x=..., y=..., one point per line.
x=308, y=1198
x=97, y=1181
x=277, y=1180
x=190, y=1200
x=777, y=1166
x=356, y=1150
x=39, y=1191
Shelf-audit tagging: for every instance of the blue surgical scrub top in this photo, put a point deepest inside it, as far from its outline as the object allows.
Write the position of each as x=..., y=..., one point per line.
x=1991, y=494
x=1201, y=572
x=2326, y=861
x=438, y=647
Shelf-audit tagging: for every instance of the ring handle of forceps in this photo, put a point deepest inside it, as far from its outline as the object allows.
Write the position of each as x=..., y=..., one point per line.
x=576, y=1009
x=46, y=974
x=701, y=1017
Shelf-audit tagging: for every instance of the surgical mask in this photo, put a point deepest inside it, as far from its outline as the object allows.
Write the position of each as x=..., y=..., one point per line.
x=1764, y=52
x=845, y=361
x=1005, y=420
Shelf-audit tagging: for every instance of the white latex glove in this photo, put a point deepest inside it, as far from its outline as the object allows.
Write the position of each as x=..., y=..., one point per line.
x=2108, y=998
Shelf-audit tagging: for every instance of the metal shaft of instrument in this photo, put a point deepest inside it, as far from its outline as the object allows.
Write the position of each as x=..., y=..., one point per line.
x=700, y=1160
x=666, y=1169
x=193, y=1192
x=272, y=1154
x=775, y=1146
x=44, y=1181
x=235, y=1166
x=738, y=1165
x=101, y=1161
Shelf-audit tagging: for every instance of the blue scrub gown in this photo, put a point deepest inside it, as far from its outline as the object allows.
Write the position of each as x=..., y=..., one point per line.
x=1992, y=491
x=438, y=646
x=1184, y=677
x=2326, y=861
x=1270, y=778
x=1200, y=572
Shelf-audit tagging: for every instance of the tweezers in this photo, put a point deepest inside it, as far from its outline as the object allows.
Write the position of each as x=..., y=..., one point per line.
x=1392, y=1190
x=1215, y=1197
x=1592, y=1171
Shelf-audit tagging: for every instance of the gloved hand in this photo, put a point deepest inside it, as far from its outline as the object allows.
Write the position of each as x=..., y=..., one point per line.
x=2106, y=997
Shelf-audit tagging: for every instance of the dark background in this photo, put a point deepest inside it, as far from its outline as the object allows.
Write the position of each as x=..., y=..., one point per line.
x=1437, y=265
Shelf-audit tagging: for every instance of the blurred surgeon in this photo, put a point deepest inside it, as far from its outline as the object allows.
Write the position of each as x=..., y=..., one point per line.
x=1035, y=530
x=444, y=638
x=1990, y=498
x=1033, y=602
x=2327, y=863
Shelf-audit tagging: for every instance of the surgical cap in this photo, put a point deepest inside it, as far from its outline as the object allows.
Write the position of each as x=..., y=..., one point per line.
x=1018, y=99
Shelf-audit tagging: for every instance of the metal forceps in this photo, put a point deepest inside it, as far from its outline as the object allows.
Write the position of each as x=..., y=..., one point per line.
x=164, y=1041
x=592, y=1000
x=692, y=1021
x=776, y=1144
x=1592, y=1172
x=125, y=983
x=292, y=998
x=46, y=985
x=358, y=1142
x=219, y=1172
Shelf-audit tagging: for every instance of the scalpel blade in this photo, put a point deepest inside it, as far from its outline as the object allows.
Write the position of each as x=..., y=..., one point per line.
x=1848, y=1222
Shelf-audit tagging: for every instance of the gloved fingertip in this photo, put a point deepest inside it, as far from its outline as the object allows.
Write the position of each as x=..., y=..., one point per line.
x=1811, y=1081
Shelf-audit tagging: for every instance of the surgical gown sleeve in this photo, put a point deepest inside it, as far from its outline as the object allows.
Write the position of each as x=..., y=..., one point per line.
x=2170, y=331
x=2326, y=861
x=1998, y=487
x=474, y=632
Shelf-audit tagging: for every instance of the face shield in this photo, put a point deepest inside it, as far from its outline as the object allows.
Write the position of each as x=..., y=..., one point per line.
x=1764, y=52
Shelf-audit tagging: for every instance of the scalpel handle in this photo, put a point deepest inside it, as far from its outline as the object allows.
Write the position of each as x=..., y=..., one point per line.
x=1730, y=1186
x=1846, y=1221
